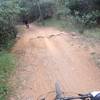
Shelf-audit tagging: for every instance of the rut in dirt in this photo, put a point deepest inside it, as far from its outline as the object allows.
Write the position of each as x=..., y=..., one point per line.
x=46, y=55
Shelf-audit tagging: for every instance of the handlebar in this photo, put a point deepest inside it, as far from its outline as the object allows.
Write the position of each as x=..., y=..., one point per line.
x=60, y=96
x=77, y=97
x=81, y=96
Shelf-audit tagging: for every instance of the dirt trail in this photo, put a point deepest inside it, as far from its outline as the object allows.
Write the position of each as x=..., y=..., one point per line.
x=46, y=55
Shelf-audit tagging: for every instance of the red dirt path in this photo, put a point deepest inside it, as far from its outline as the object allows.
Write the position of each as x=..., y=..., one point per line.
x=46, y=55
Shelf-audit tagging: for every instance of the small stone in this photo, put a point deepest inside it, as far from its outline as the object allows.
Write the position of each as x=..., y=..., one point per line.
x=73, y=34
x=92, y=53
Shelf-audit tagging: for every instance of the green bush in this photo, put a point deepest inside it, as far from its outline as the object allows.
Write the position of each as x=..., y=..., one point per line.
x=86, y=13
x=7, y=23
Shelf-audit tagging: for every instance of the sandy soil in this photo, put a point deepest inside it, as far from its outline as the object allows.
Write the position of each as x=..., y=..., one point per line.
x=46, y=55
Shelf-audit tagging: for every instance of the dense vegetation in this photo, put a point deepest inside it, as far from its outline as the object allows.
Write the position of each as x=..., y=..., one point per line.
x=12, y=12
x=86, y=14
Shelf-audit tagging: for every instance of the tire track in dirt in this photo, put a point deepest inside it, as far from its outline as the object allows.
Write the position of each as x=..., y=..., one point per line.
x=46, y=55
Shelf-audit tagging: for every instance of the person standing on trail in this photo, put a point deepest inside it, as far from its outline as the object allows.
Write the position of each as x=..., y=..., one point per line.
x=25, y=21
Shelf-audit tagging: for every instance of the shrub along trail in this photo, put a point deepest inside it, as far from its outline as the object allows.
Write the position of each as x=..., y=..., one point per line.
x=46, y=55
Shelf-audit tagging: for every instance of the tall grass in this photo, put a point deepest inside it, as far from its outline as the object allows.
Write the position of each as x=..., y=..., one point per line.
x=61, y=24
x=94, y=32
x=7, y=65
